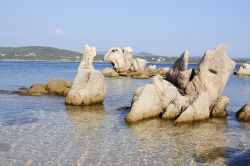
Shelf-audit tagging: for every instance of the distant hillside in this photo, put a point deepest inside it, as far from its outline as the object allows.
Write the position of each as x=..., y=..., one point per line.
x=56, y=54
x=38, y=53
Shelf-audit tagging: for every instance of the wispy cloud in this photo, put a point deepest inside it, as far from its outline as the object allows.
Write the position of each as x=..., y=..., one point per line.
x=59, y=32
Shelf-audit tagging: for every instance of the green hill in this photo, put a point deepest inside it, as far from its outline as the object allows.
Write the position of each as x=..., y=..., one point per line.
x=56, y=54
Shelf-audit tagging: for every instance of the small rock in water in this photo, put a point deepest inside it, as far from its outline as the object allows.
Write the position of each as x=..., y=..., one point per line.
x=244, y=113
x=244, y=70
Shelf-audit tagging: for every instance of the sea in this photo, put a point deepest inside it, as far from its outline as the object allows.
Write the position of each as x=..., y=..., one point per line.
x=42, y=130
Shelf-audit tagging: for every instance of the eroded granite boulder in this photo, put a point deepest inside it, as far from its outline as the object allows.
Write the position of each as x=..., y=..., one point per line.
x=183, y=97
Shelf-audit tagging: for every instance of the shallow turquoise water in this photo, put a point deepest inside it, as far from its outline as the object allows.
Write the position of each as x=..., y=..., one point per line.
x=43, y=131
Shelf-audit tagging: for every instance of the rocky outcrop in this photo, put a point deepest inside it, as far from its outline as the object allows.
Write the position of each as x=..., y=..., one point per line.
x=122, y=60
x=180, y=74
x=244, y=113
x=150, y=100
x=59, y=87
x=127, y=55
x=160, y=71
x=37, y=90
x=219, y=107
x=107, y=72
x=186, y=97
x=88, y=55
x=89, y=87
x=244, y=70
x=138, y=65
x=54, y=87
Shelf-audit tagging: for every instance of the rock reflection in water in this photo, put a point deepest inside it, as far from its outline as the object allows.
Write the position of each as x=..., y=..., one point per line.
x=179, y=142
x=86, y=119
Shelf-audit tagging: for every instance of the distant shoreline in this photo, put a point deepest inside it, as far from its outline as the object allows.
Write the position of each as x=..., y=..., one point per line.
x=21, y=60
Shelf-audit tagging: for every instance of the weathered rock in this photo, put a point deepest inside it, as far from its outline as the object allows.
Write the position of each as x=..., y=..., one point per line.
x=88, y=55
x=198, y=110
x=176, y=107
x=162, y=71
x=150, y=100
x=115, y=56
x=219, y=107
x=138, y=65
x=127, y=55
x=34, y=90
x=37, y=90
x=146, y=104
x=180, y=74
x=140, y=76
x=59, y=87
x=107, y=72
x=193, y=100
x=244, y=70
x=244, y=113
x=88, y=88
x=212, y=73
x=207, y=84
x=122, y=60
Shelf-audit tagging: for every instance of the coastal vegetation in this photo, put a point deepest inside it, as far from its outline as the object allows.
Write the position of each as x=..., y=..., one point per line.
x=42, y=53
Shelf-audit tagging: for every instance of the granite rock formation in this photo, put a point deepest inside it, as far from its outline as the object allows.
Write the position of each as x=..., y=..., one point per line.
x=89, y=86
x=244, y=70
x=186, y=96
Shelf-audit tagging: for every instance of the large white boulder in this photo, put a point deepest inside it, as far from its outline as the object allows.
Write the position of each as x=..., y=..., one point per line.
x=244, y=70
x=212, y=74
x=150, y=100
x=88, y=88
x=180, y=74
x=138, y=65
x=116, y=57
x=89, y=85
x=127, y=55
x=89, y=54
x=122, y=60
x=184, y=100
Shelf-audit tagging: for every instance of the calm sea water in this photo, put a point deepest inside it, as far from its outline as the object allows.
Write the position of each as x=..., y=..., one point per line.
x=41, y=130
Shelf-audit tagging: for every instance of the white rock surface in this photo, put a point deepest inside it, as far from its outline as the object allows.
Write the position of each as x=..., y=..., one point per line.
x=89, y=54
x=244, y=70
x=196, y=97
x=89, y=85
x=122, y=60
x=180, y=74
x=138, y=65
x=116, y=57
x=88, y=88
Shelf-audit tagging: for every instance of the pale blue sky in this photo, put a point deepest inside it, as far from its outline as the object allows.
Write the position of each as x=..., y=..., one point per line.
x=158, y=26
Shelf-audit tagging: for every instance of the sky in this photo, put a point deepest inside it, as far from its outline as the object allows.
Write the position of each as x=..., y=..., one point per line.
x=162, y=27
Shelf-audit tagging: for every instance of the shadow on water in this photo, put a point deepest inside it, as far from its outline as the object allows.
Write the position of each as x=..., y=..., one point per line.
x=233, y=156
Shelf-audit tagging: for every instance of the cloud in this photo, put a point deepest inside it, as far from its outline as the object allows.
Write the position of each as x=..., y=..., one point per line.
x=59, y=32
